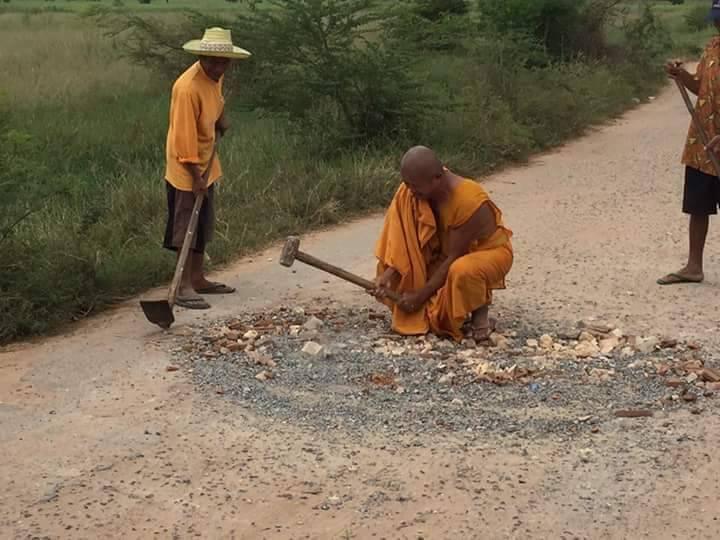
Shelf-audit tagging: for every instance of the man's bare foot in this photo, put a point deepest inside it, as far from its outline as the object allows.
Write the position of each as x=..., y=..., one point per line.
x=188, y=298
x=211, y=287
x=686, y=275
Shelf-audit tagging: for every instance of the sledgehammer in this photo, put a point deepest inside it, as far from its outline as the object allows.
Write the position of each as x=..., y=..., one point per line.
x=291, y=252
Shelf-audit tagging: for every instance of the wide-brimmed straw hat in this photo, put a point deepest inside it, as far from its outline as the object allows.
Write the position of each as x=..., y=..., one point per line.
x=215, y=42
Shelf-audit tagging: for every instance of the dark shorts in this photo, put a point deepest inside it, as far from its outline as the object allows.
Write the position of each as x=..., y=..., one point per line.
x=180, y=206
x=702, y=193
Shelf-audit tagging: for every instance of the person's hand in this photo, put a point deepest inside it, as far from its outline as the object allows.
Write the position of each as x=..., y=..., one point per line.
x=383, y=283
x=675, y=70
x=412, y=302
x=713, y=144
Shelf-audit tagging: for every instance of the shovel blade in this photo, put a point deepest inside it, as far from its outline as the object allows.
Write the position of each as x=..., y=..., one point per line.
x=158, y=312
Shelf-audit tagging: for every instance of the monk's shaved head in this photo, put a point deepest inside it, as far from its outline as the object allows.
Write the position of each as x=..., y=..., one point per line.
x=421, y=170
x=420, y=163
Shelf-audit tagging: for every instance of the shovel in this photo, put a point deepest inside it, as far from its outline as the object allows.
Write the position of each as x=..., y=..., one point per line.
x=160, y=312
x=698, y=126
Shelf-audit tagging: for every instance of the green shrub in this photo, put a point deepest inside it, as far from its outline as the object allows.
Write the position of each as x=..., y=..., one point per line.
x=406, y=29
x=316, y=58
x=696, y=18
x=434, y=10
x=565, y=28
x=647, y=40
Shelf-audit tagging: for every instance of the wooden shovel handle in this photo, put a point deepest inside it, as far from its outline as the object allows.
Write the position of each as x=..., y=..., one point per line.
x=698, y=125
x=189, y=237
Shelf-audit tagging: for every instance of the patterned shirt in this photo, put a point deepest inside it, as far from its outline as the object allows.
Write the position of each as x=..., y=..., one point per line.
x=707, y=109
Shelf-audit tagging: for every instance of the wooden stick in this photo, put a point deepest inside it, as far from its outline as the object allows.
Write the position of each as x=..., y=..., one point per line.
x=698, y=126
x=342, y=274
x=189, y=237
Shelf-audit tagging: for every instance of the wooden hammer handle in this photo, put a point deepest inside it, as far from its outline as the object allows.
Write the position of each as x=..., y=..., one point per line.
x=342, y=274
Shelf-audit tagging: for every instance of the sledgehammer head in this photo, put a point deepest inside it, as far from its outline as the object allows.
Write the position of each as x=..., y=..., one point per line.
x=290, y=249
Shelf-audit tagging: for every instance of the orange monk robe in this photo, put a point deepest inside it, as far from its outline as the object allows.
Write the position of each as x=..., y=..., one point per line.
x=415, y=242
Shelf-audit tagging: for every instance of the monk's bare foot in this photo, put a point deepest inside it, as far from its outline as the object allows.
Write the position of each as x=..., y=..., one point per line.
x=686, y=275
x=481, y=325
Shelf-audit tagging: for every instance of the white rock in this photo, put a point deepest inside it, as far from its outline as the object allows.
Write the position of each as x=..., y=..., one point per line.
x=400, y=390
x=457, y=401
x=250, y=335
x=586, y=336
x=426, y=350
x=646, y=345
x=499, y=341
x=617, y=333
x=397, y=351
x=447, y=378
x=627, y=352
x=295, y=330
x=546, y=341
x=585, y=455
x=313, y=323
x=300, y=312
x=312, y=349
x=691, y=378
x=608, y=345
x=602, y=374
x=264, y=375
x=586, y=349
x=532, y=343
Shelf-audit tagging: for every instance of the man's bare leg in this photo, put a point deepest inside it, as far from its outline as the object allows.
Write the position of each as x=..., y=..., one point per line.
x=200, y=283
x=693, y=270
x=187, y=297
x=197, y=278
x=699, y=226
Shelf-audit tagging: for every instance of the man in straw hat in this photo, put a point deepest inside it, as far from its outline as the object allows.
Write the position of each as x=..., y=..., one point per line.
x=196, y=120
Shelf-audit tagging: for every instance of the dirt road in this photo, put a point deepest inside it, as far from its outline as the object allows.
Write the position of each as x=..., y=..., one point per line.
x=100, y=441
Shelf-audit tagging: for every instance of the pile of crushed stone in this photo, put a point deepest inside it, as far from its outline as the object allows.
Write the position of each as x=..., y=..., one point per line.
x=343, y=369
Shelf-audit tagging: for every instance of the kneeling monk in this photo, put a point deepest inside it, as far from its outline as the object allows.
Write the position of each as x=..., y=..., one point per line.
x=443, y=248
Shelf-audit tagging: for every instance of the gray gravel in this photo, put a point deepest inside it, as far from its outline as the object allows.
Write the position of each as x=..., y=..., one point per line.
x=351, y=386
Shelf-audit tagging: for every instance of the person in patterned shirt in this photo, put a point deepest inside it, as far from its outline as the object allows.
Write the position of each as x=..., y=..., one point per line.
x=701, y=196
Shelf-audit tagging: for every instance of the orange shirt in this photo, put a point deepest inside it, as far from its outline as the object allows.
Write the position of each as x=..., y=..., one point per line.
x=707, y=108
x=195, y=107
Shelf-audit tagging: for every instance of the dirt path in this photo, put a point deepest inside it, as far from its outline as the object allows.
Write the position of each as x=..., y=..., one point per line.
x=99, y=441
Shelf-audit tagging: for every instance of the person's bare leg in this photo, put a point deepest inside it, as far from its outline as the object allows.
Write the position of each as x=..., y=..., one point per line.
x=699, y=226
x=693, y=270
x=197, y=278
x=203, y=285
